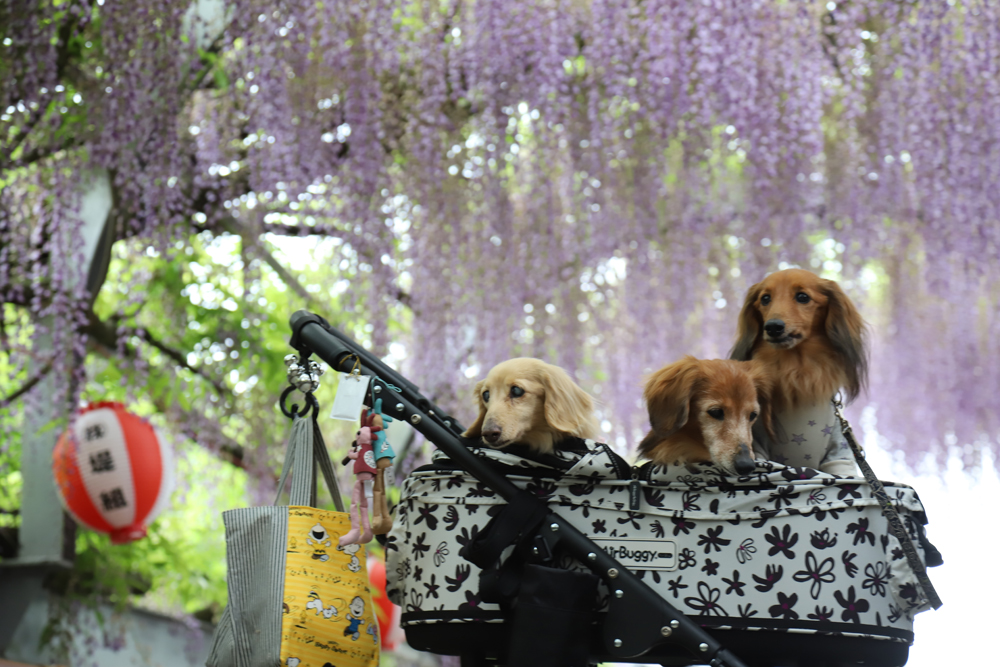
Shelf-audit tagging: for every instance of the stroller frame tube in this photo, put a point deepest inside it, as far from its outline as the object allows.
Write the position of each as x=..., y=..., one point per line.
x=637, y=619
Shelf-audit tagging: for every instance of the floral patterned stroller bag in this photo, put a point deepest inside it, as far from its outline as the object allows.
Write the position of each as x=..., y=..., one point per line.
x=783, y=550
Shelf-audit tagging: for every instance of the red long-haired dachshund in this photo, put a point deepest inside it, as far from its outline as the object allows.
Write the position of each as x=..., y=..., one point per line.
x=811, y=339
x=704, y=410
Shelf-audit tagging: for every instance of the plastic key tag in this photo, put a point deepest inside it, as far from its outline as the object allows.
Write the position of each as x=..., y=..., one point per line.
x=350, y=396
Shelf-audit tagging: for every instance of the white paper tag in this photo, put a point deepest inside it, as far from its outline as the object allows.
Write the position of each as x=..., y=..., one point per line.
x=350, y=397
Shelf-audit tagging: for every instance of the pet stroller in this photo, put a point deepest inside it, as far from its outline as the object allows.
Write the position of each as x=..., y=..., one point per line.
x=576, y=558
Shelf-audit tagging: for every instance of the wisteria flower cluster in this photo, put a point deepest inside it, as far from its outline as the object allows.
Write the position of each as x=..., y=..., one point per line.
x=593, y=182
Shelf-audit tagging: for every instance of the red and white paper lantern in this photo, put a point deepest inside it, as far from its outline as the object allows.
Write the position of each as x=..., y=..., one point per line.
x=112, y=471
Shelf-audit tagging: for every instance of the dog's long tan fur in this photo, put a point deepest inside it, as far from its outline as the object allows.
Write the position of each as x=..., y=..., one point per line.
x=821, y=347
x=528, y=401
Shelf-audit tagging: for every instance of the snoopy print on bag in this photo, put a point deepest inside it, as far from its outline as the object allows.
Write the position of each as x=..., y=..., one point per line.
x=352, y=551
x=315, y=602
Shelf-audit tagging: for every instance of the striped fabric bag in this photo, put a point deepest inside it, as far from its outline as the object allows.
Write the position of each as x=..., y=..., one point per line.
x=296, y=599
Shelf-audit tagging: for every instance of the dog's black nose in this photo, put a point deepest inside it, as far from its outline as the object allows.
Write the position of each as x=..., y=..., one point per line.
x=774, y=328
x=743, y=462
x=492, y=436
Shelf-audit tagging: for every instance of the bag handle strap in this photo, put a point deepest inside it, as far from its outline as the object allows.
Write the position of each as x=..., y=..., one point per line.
x=326, y=466
x=290, y=453
x=304, y=475
x=306, y=448
x=888, y=509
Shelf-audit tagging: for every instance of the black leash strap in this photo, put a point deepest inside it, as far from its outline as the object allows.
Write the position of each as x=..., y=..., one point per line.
x=888, y=510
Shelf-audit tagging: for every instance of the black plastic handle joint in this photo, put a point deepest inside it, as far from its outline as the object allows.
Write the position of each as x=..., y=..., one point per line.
x=299, y=320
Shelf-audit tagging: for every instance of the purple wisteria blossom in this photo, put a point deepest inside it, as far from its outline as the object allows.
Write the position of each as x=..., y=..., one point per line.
x=595, y=183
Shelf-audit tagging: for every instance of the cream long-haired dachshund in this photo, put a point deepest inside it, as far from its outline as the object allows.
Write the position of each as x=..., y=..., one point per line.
x=704, y=410
x=530, y=402
x=809, y=336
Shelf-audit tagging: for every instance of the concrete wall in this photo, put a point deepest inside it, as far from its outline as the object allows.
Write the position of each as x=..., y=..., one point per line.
x=102, y=637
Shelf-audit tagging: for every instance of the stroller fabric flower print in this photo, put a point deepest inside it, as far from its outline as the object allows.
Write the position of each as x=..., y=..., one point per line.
x=784, y=607
x=816, y=574
x=853, y=608
x=782, y=542
x=707, y=601
x=699, y=533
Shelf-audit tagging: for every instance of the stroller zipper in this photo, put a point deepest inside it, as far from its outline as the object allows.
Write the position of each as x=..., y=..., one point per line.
x=634, y=490
x=640, y=474
x=624, y=471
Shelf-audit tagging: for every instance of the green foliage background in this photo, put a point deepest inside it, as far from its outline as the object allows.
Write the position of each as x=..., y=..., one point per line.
x=228, y=318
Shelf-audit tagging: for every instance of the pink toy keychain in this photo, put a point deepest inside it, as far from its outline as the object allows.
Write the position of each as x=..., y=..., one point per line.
x=364, y=471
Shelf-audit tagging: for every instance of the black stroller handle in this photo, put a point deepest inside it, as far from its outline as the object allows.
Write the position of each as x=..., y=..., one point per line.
x=637, y=619
x=342, y=347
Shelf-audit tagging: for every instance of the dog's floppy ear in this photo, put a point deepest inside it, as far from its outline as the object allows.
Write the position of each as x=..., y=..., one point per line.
x=568, y=408
x=668, y=397
x=749, y=326
x=847, y=332
x=476, y=430
x=764, y=384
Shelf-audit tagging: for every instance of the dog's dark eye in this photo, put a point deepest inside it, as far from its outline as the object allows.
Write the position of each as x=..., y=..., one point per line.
x=766, y=299
x=716, y=413
x=753, y=416
x=486, y=397
x=516, y=391
x=802, y=297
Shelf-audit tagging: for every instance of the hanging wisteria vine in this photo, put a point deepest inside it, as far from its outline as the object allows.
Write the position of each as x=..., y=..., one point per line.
x=593, y=182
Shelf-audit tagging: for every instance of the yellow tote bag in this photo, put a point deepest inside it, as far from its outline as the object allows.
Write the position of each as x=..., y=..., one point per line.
x=328, y=616
x=296, y=599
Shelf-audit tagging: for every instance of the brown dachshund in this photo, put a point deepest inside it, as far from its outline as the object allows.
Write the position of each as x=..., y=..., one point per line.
x=703, y=410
